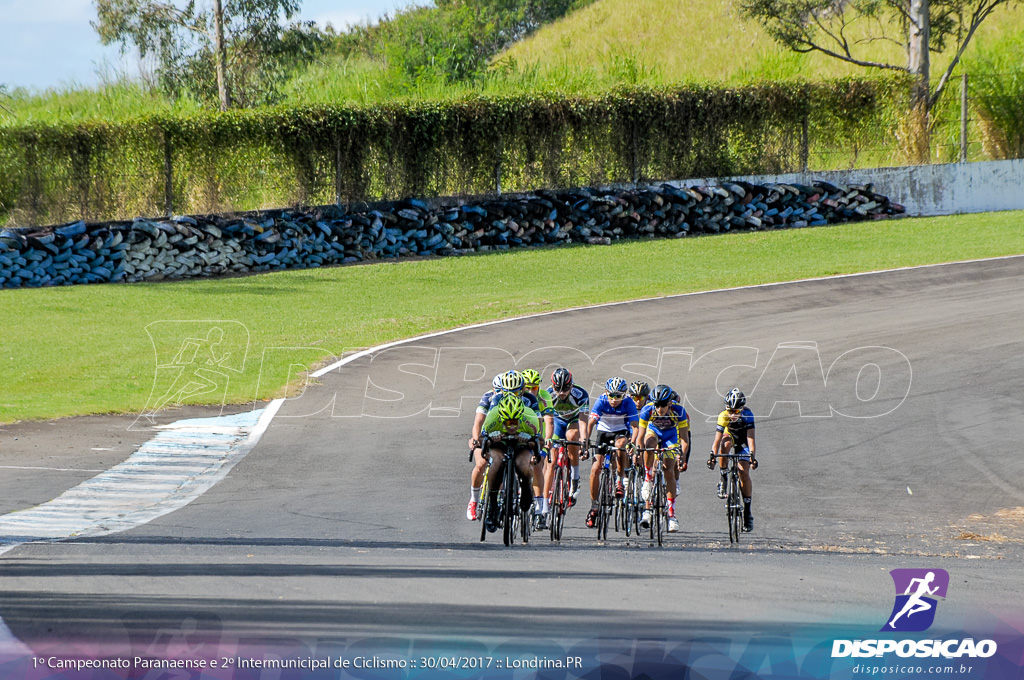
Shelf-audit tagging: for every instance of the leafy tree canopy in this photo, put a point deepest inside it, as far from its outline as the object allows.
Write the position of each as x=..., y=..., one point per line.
x=850, y=30
x=257, y=49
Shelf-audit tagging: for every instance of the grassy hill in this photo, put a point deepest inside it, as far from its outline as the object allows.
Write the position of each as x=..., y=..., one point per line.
x=667, y=41
x=604, y=44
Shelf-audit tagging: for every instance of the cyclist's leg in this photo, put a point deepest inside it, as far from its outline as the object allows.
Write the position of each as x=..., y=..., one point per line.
x=619, y=464
x=650, y=442
x=723, y=465
x=497, y=454
x=476, y=481
x=524, y=468
x=747, y=491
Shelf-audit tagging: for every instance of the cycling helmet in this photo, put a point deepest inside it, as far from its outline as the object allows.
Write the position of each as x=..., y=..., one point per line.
x=531, y=378
x=510, y=407
x=639, y=389
x=496, y=383
x=511, y=381
x=616, y=385
x=735, y=399
x=662, y=395
x=561, y=379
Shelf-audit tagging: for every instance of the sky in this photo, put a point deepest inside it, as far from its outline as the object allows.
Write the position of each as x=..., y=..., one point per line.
x=51, y=44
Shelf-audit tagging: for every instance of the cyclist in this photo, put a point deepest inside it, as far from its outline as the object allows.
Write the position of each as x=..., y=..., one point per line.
x=546, y=412
x=664, y=424
x=510, y=423
x=615, y=417
x=503, y=383
x=640, y=393
x=571, y=405
x=735, y=432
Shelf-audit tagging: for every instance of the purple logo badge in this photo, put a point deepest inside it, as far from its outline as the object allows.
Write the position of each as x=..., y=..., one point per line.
x=916, y=590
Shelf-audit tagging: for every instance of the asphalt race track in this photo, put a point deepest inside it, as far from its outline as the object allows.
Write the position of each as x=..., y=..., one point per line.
x=890, y=414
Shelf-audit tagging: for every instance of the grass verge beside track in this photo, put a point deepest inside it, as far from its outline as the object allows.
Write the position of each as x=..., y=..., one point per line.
x=88, y=349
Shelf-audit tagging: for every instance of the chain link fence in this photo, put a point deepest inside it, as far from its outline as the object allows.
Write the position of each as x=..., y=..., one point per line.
x=55, y=175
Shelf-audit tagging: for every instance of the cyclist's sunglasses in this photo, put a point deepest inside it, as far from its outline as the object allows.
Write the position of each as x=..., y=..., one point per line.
x=661, y=404
x=511, y=423
x=616, y=395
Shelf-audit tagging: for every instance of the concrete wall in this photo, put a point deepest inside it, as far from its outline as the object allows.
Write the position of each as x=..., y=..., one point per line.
x=927, y=189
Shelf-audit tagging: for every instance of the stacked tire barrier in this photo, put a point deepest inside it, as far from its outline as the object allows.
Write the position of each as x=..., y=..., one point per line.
x=214, y=245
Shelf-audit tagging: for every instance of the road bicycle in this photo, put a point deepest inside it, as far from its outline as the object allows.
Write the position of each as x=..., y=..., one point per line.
x=733, y=498
x=609, y=507
x=561, y=498
x=656, y=503
x=511, y=518
x=633, y=503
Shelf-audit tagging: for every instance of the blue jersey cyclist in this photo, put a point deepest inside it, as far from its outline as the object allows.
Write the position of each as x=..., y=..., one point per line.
x=615, y=418
x=571, y=406
x=510, y=424
x=665, y=425
x=734, y=433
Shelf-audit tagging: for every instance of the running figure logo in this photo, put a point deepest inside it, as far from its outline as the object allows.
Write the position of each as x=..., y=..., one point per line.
x=195, y=361
x=916, y=589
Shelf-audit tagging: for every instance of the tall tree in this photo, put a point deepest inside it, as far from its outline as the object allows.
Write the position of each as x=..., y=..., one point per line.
x=924, y=26
x=237, y=48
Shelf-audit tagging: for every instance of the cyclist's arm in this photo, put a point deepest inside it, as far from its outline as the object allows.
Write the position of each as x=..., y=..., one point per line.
x=529, y=423
x=492, y=422
x=716, y=446
x=641, y=432
x=478, y=425
x=750, y=443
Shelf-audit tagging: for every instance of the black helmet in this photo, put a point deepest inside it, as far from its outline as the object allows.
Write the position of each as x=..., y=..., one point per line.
x=561, y=379
x=639, y=389
x=662, y=395
x=735, y=399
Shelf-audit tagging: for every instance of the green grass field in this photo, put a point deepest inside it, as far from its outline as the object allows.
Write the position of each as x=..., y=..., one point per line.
x=95, y=349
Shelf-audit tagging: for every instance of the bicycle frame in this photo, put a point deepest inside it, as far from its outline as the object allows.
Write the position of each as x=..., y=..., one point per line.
x=607, y=502
x=510, y=517
x=560, y=498
x=733, y=497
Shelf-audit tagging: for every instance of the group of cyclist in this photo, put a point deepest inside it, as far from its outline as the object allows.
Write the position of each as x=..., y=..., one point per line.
x=631, y=421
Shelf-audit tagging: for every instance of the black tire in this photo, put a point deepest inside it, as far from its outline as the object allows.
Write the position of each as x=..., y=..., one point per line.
x=603, y=504
x=735, y=502
x=485, y=494
x=559, y=494
x=658, y=512
x=511, y=506
x=632, y=519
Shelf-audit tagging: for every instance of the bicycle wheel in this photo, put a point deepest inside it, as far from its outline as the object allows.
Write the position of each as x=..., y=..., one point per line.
x=485, y=494
x=658, y=507
x=735, y=502
x=510, y=491
x=556, y=509
x=603, y=505
x=632, y=502
x=627, y=508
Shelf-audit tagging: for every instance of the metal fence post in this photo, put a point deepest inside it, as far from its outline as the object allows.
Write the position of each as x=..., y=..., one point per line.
x=805, y=143
x=963, y=119
x=168, y=177
x=337, y=169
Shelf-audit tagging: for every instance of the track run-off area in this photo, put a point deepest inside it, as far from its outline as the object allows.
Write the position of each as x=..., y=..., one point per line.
x=888, y=409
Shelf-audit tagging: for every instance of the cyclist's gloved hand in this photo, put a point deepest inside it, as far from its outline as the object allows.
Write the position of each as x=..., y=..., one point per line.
x=753, y=463
x=523, y=437
x=711, y=461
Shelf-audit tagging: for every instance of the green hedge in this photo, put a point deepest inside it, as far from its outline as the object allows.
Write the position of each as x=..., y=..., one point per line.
x=245, y=160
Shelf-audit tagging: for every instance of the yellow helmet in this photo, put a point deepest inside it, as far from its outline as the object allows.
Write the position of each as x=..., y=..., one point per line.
x=511, y=407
